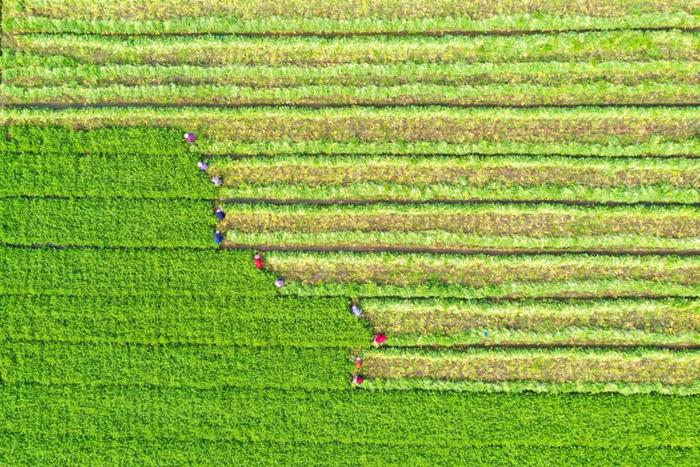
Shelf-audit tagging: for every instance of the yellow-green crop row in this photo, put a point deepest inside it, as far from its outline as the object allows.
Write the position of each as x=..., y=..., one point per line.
x=229, y=50
x=449, y=323
x=457, y=228
x=395, y=317
x=437, y=126
x=333, y=17
x=667, y=368
x=337, y=9
x=30, y=70
x=478, y=276
x=519, y=95
x=386, y=178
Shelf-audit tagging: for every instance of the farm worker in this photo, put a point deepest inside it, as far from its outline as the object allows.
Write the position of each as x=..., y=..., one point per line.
x=379, y=339
x=217, y=180
x=279, y=282
x=358, y=362
x=356, y=310
x=203, y=166
x=190, y=137
x=258, y=261
x=220, y=214
x=218, y=237
x=358, y=379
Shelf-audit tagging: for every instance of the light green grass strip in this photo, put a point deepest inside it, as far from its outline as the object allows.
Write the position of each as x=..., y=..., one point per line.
x=217, y=51
x=413, y=94
x=29, y=70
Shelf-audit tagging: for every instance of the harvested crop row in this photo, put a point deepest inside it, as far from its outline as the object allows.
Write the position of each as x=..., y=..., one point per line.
x=589, y=323
x=29, y=71
x=407, y=418
x=218, y=51
x=372, y=178
x=116, y=175
x=106, y=222
x=82, y=451
x=91, y=272
x=465, y=170
x=457, y=228
x=200, y=367
x=414, y=94
x=611, y=148
x=571, y=336
x=373, y=17
x=54, y=133
x=216, y=320
x=419, y=275
x=336, y=9
x=440, y=241
x=386, y=192
x=548, y=366
x=448, y=317
x=438, y=127
x=486, y=220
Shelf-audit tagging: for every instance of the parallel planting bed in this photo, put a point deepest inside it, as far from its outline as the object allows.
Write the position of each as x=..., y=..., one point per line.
x=503, y=196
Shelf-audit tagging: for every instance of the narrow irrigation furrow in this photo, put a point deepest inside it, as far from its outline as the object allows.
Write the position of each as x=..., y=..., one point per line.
x=632, y=46
x=478, y=276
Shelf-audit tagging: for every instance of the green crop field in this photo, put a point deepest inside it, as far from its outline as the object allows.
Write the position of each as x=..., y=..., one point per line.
x=350, y=232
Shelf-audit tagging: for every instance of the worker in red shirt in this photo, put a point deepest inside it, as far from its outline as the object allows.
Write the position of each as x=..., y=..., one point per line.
x=258, y=261
x=379, y=339
x=358, y=379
